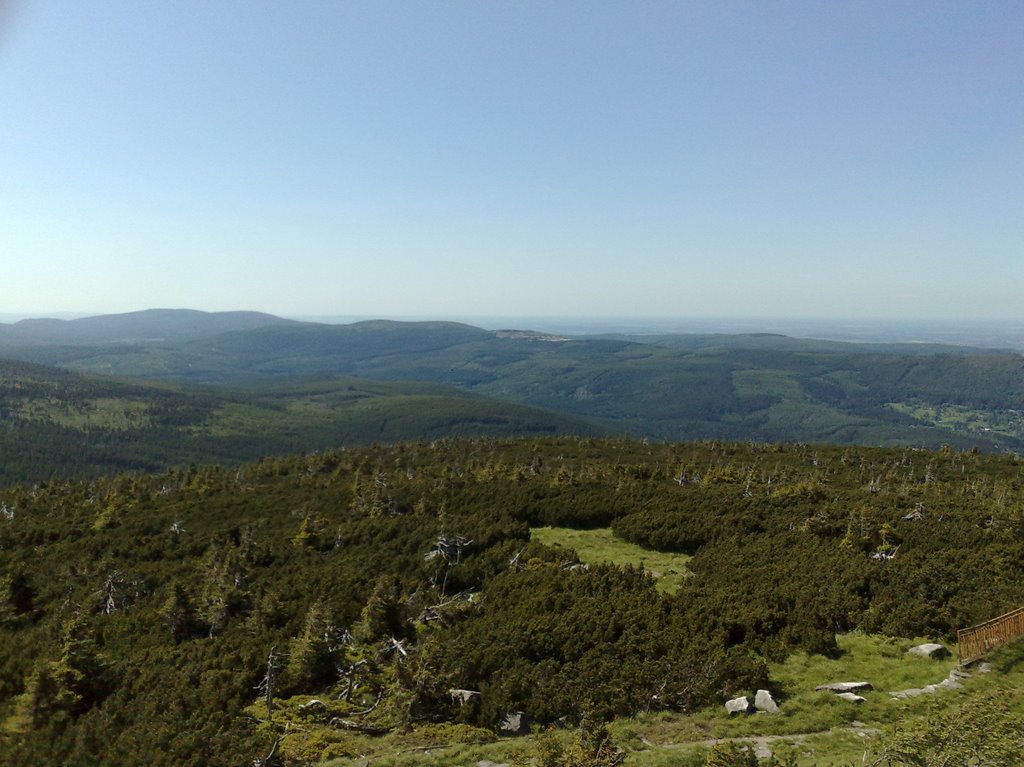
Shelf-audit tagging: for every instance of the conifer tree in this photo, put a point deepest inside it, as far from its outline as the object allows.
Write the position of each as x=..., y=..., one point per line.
x=68, y=686
x=311, y=654
x=381, y=617
x=180, y=614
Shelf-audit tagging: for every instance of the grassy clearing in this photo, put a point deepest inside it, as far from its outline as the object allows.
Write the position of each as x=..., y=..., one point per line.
x=116, y=413
x=412, y=750
x=603, y=547
x=816, y=728
x=1008, y=423
x=879, y=660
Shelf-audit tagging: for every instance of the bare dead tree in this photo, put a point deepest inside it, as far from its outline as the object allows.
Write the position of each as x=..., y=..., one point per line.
x=266, y=686
x=449, y=549
x=442, y=609
x=365, y=711
x=269, y=759
x=366, y=729
x=117, y=593
x=110, y=593
x=514, y=562
x=351, y=675
x=399, y=645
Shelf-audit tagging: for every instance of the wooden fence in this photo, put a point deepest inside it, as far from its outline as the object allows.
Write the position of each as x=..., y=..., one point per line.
x=977, y=640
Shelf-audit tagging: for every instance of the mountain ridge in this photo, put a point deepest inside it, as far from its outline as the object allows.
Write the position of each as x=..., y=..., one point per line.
x=754, y=386
x=147, y=325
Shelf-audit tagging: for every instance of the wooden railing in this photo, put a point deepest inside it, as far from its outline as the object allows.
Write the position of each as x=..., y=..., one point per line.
x=977, y=640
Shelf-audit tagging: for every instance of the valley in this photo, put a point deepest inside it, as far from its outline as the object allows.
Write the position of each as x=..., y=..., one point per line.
x=431, y=544
x=287, y=382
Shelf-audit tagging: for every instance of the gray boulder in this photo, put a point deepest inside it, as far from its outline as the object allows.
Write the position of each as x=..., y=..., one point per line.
x=851, y=697
x=954, y=681
x=929, y=650
x=958, y=674
x=913, y=692
x=312, y=709
x=514, y=723
x=841, y=687
x=738, y=705
x=763, y=701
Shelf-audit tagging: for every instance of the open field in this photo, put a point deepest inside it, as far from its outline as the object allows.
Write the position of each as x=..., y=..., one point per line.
x=963, y=419
x=602, y=546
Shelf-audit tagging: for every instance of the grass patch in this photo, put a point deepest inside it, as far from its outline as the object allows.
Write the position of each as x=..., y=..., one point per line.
x=404, y=750
x=862, y=658
x=816, y=729
x=117, y=413
x=603, y=547
x=960, y=418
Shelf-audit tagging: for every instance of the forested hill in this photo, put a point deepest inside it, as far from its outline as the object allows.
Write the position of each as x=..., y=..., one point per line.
x=133, y=327
x=59, y=423
x=758, y=386
x=140, y=615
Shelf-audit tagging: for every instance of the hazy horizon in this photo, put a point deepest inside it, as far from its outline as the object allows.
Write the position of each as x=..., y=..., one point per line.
x=997, y=333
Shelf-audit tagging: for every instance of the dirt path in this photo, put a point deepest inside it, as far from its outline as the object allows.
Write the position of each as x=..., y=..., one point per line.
x=761, y=744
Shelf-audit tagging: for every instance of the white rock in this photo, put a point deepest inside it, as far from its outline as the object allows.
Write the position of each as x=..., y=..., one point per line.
x=929, y=650
x=763, y=701
x=913, y=692
x=762, y=750
x=851, y=697
x=514, y=723
x=738, y=705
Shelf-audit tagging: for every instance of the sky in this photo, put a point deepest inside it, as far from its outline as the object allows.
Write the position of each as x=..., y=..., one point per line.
x=552, y=158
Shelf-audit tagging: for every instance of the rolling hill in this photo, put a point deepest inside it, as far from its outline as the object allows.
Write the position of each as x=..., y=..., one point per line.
x=752, y=386
x=55, y=422
x=150, y=325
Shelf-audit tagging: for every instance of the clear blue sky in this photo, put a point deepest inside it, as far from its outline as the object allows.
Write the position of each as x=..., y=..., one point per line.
x=513, y=158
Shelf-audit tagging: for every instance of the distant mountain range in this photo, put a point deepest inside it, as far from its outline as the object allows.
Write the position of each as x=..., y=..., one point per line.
x=152, y=325
x=759, y=386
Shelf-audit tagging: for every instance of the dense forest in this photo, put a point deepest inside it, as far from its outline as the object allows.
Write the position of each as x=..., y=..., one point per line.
x=58, y=423
x=294, y=606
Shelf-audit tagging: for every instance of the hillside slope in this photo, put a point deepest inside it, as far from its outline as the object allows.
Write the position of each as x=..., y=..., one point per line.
x=57, y=423
x=151, y=325
x=734, y=387
x=139, y=614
